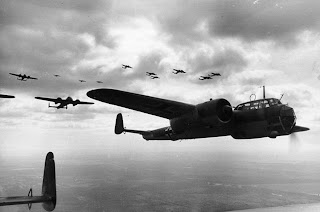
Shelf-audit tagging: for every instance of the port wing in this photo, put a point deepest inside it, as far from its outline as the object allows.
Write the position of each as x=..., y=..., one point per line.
x=155, y=106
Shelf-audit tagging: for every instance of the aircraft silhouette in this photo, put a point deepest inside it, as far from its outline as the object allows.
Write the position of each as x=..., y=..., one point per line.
x=82, y=81
x=23, y=77
x=154, y=77
x=126, y=66
x=99, y=82
x=6, y=96
x=214, y=74
x=49, y=194
x=177, y=71
x=57, y=75
x=266, y=117
x=205, y=77
x=150, y=74
x=63, y=103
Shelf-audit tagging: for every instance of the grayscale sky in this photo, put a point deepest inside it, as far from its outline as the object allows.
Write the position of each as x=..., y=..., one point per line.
x=250, y=42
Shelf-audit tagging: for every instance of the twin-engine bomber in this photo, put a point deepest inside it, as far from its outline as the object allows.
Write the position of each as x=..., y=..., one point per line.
x=266, y=117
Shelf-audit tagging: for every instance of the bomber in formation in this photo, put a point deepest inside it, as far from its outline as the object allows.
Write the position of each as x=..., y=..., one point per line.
x=266, y=117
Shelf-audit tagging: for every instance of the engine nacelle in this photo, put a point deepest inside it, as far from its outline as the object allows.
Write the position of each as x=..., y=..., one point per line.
x=215, y=112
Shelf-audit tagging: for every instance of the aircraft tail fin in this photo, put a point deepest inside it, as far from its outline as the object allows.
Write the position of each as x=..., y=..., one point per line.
x=49, y=183
x=119, y=127
x=48, y=197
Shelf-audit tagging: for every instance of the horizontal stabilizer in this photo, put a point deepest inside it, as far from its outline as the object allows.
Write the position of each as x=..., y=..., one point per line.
x=119, y=128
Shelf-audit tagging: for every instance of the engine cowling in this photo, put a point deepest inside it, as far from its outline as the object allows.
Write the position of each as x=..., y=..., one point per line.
x=212, y=113
x=215, y=112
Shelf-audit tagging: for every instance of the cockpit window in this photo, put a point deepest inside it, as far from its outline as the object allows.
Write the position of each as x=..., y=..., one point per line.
x=258, y=104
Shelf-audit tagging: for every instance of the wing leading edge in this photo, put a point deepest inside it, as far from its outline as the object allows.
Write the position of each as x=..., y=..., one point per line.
x=155, y=106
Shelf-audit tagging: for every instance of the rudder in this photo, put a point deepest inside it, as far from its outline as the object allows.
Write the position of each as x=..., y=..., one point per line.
x=119, y=128
x=49, y=183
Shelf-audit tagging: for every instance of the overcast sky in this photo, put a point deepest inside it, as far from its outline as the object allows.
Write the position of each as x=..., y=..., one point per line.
x=250, y=42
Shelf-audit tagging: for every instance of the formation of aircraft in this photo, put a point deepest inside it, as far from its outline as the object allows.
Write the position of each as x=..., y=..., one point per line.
x=23, y=77
x=266, y=117
x=48, y=197
x=63, y=103
x=177, y=71
x=6, y=96
x=126, y=66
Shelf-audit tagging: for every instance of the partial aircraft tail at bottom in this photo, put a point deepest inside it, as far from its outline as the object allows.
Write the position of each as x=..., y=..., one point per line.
x=48, y=197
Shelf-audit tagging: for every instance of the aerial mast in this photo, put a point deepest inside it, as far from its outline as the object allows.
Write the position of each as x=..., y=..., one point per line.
x=264, y=92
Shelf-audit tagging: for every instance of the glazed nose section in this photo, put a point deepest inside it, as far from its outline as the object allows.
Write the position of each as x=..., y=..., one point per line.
x=287, y=118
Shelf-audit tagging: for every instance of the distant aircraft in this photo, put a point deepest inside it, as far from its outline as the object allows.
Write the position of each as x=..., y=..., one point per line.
x=177, y=71
x=82, y=81
x=63, y=102
x=126, y=66
x=99, y=82
x=49, y=194
x=266, y=117
x=214, y=74
x=205, y=77
x=150, y=74
x=57, y=75
x=154, y=77
x=23, y=77
x=6, y=96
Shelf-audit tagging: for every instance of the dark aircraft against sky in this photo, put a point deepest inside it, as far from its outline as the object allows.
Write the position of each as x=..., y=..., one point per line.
x=154, y=77
x=214, y=74
x=63, y=103
x=125, y=66
x=82, y=81
x=48, y=197
x=57, y=75
x=150, y=74
x=205, y=77
x=23, y=77
x=177, y=71
x=99, y=82
x=6, y=96
x=266, y=117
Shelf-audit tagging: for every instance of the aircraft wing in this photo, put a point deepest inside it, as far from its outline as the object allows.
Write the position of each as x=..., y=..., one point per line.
x=146, y=104
x=18, y=75
x=299, y=129
x=49, y=99
x=85, y=103
x=33, y=78
x=6, y=96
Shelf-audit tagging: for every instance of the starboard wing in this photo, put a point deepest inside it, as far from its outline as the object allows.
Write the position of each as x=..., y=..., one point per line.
x=6, y=96
x=155, y=106
x=49, y=99
x=85, y=103
x=18, y=75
